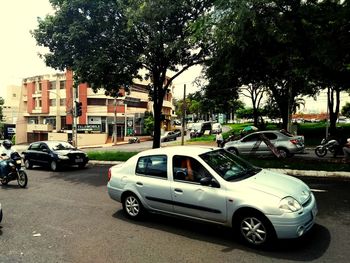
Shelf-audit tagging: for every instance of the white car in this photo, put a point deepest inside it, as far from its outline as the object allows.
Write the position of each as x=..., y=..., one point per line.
x=214, y=185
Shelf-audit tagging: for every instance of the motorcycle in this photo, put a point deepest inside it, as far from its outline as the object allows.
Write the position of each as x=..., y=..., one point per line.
x=332, y=146
x=134, y=140
x=15, y=171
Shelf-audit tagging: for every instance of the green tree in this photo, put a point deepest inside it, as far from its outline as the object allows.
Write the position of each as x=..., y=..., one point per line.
x=122, y=37
x=345, y=111
x=262, y=43
x=149, y=123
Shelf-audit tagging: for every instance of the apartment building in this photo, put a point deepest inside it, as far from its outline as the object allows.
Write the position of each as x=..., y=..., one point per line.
x=46, y=111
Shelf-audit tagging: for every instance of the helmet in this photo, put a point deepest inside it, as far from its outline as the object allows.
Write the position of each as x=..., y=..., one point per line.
x=7, y=144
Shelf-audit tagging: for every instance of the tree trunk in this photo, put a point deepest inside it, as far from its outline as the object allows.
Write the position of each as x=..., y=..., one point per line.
x=157, y=120
x=333, y=106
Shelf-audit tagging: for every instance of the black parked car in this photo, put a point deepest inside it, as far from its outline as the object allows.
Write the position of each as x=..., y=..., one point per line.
x=54, y=154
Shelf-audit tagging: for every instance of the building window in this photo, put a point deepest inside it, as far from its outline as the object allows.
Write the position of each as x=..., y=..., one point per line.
x=96, y=102
x=14, y=95
x=40, y=86
x=62, y=102
x=62, y=84
x=53, y=102
x=52, y=84
x=32, y=120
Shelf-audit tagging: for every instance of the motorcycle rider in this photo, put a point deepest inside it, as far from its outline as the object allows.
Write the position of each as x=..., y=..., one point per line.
x=5, y=154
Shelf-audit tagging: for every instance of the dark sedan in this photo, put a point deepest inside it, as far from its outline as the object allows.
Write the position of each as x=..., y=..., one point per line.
x=54, y=154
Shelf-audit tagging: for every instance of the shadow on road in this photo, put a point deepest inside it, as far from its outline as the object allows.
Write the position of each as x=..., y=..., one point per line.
x=310, y=247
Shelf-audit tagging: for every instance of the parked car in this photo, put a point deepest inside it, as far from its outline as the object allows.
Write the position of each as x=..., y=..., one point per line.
x=252, y=144
x=178, y=132
x=54, y=154
x=168, y=136
x=216, y=128
x=200, y=128
x=0, y=213
x=214, y=185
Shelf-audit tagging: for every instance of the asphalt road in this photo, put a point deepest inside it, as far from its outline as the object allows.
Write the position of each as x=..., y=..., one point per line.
x=68, y=216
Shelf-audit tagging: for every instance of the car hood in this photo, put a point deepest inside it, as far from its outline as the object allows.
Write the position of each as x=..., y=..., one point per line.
x=279, y=185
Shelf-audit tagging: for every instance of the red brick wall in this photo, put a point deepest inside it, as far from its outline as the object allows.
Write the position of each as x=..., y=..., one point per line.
x=45, y=103
x=31, y=101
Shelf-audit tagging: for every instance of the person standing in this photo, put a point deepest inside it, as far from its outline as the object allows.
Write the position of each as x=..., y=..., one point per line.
x=5, y=154
x=219, y=139
x=346, y=149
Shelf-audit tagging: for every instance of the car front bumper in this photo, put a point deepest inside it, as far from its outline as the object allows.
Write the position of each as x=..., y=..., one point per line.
x=294, y=225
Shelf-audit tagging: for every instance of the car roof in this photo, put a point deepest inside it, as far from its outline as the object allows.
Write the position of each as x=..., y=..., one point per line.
x=178, y=150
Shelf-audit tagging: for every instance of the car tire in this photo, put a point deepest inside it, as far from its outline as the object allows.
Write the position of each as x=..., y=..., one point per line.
x=233, y=150
x=4, y=182
x=255, y=229
x=53, y=166
x=132, y=206
x=27, y=164
x=283, y=153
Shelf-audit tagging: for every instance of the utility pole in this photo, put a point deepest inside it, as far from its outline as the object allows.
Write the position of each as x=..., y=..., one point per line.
x=183, y=116
x=114, y=136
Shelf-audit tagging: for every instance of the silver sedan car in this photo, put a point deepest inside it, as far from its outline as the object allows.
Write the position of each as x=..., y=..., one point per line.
x=214, y=185
x=266, y=142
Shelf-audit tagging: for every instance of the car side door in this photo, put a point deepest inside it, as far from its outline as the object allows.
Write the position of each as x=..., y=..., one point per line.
x=250, y=144
x=44, y=156
x=152, y=182
x=190, y=197
x=272, y=137
x=31, y=154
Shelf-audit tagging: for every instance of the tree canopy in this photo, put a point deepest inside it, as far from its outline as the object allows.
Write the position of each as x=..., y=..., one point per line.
x=107, y=42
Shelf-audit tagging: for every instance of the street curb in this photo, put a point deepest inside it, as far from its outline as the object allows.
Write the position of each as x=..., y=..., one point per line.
x=283, y=171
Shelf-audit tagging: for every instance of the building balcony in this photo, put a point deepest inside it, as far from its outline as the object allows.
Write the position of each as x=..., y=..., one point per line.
x=167, y=104
x=39, y=127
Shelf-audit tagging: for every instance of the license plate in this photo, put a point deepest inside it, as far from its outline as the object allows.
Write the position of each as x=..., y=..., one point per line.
x=79, y=160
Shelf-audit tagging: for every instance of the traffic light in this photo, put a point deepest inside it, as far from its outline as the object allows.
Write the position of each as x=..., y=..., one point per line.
x=78, y=109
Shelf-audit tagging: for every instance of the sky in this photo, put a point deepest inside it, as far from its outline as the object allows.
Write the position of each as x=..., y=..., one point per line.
x=19, y=53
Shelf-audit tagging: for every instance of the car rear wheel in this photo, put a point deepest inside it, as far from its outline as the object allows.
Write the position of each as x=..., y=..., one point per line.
x=28, y=165
x=283, y=153
x=132, y=206
x=255, y=229
x=233, y=150
x=53, y=166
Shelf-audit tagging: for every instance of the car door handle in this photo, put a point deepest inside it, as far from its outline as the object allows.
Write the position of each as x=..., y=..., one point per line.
x=139, y=184
x=178, y=190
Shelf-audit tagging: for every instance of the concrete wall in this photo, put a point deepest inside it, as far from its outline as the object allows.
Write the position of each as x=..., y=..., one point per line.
x=84, y=139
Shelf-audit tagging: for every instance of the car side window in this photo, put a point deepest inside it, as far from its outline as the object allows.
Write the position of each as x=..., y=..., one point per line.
x=34, y=147
x=251, y=138
x=188, y=169
x=153, y=165
x=270, y=136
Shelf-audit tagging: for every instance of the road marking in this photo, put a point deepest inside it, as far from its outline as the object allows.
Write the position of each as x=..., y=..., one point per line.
x=318, y=190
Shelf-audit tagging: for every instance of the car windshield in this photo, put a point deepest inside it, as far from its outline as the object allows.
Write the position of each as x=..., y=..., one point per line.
x=229, y=166
x=56, y=146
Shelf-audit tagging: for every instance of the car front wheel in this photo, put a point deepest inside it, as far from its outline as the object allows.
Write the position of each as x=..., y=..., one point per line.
x=255, y=229
x=27, y=164
x=132, y=206
x=53, y=165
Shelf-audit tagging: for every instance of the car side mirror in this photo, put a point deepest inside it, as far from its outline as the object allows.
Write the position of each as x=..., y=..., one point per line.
x=208, y=181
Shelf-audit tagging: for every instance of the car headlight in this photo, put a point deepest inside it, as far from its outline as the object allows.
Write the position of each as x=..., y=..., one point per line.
x=289, y=205
x=63, y=157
